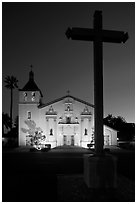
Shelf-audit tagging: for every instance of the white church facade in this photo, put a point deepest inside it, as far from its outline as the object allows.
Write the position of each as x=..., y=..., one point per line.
x=64, y=121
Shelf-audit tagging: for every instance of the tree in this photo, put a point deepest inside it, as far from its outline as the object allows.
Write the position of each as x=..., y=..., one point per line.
x=109, y=120
x=16, y=122
x=34, y=135
x=5, y=122
x=126, y=131
x=11, y=83
x=15, y=127
x=115, y=122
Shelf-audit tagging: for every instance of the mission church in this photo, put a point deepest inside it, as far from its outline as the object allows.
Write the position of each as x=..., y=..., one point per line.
x=64, y=121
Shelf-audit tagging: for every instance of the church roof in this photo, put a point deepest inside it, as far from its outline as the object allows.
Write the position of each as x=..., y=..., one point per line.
x=31, y=85
x=66, y=96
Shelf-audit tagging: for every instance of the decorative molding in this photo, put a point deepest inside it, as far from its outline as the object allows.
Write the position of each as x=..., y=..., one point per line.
x=86, y=111
x=68, y=101
x=51, y=116
x=64, y=97
x=68, y=121
x=51, y=111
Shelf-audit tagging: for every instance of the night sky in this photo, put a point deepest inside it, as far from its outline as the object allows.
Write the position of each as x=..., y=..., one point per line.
x=34, y=33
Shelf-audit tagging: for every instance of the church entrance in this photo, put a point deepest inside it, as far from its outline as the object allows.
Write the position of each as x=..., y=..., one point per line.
x=68, y=140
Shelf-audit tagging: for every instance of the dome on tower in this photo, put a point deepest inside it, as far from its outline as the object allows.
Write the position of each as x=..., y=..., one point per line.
x=31, y=85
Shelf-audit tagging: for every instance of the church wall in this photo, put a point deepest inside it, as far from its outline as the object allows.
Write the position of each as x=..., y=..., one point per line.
x=67, y=121
x=85, y=122
x=59, y=129
x=82, y=132
x=23, y=116
x=47, y=123
x=22, y=136
x=42, y=120
x=112, y=135
x=50, y=122
x=114, y=138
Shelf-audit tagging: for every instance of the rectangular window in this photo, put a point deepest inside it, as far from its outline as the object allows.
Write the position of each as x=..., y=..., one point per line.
x=33, y=96
x=25, y=96
x=33, y=93
x=86, y=131
x=51, y=131
x=29, y=115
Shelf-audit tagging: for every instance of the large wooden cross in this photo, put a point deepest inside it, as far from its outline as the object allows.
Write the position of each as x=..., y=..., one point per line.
x=98, y=36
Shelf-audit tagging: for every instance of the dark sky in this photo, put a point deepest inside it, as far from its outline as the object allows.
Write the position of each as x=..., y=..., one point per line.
x=34, y=33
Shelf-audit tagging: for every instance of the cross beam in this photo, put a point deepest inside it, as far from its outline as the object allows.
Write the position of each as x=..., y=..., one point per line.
x=87, y=34
x=98, y=36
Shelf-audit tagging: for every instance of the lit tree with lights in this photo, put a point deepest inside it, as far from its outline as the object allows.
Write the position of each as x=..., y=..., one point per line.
x=37, y=140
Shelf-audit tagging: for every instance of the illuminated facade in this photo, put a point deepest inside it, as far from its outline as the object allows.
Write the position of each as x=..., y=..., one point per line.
x=64, y=121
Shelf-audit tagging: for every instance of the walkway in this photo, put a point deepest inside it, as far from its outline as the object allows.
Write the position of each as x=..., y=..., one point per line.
x=65, y=148
x=70, y=149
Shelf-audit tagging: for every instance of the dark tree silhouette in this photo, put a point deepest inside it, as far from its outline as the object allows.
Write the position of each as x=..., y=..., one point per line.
x=5, y=122
x=115, y=122
x=16, y=121
x=126, y=131
x=11, y=83
x=16, y=125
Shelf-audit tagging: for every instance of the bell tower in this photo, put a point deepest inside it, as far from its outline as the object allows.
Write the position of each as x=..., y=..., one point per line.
x=30, y=97
x=30, y=93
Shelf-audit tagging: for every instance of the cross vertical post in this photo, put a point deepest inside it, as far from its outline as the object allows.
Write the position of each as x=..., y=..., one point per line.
x=98, y=83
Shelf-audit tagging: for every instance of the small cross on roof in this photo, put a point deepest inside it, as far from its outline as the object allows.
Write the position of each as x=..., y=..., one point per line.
x=68, y=92
x=31, y=66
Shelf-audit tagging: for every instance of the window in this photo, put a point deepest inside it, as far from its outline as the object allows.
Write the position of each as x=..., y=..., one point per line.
x=68, y=108
x=29, y=115
x=51, y=131
x=68, y=120
x=76, y=119
x=25, y=96
x=33, y=96
x=60, y=120
x=86, y=131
